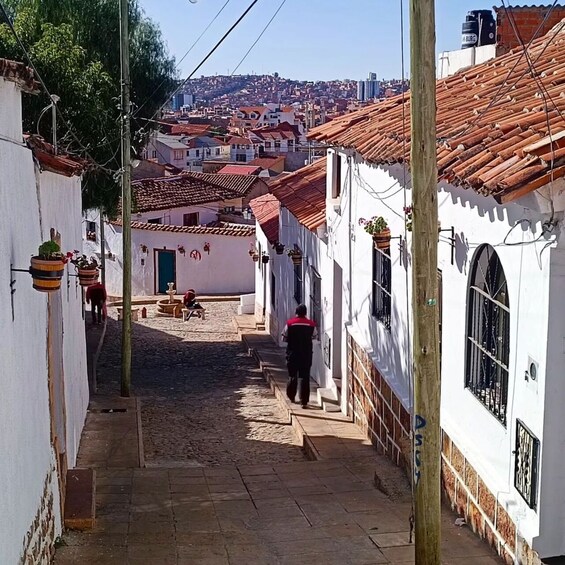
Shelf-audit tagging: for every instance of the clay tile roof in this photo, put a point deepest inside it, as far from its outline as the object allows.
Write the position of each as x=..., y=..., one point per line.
x=240, y=185
x=267, y=162
x=492, y=124
x=236, y=230
x=61, y=163
x=238, y=140
x=303, y=193
x=239, y=170
x=175, y=192
x=20, y=74
x=266, y=211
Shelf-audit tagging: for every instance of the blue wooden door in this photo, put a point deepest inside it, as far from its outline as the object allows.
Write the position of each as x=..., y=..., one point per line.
x=165, y=270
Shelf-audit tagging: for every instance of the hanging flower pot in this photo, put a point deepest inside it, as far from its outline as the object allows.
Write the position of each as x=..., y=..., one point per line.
x=265, y=259
x=279, y=248
x=379, y=231
x=87, y=269
x=87, y=277
x=295, y=256
x=381, y=240
x=255, y=257
x=47, y=267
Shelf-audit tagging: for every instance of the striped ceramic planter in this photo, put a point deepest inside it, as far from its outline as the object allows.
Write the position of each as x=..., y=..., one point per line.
x=381, y=240
x=86, y=277
x=47, y=274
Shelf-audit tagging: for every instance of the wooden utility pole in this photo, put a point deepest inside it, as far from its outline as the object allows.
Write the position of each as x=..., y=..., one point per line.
x=423, y=161
x=126, y=200
x=102, y=248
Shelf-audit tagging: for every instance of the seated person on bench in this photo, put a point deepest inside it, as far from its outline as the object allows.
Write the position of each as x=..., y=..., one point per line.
x=189, y=300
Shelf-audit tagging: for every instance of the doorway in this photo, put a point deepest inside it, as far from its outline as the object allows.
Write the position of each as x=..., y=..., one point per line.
x=337, y=321
x=165, y=269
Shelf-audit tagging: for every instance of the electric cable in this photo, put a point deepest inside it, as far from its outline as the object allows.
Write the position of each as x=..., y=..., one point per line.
x=259, y=37
x=184, y=56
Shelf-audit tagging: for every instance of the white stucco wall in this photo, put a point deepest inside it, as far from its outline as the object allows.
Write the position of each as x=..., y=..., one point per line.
x=535, y=274
x=449, y=62
x=485, y=442
x=225, y=269
x=206, y=213
x=28, y=459
x=61, y=209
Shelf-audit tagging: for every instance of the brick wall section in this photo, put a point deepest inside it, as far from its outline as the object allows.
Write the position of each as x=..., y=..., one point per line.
x=527, y=20
x=38, y=544
x=471, y=498
x=375, y=408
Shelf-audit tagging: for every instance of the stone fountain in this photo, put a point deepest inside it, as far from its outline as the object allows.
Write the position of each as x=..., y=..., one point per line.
x=169, y=307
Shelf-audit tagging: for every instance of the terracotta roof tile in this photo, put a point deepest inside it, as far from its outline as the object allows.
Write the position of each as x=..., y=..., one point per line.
x=239, y=170
x=240, y=185
x=176, y=192
x=303, y=193
x=60, y=163
x=235, y=230
x=17, y=72
x=266, y=210
x=492, y=123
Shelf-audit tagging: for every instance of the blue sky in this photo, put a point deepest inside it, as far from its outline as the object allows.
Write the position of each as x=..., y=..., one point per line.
x=308, y=40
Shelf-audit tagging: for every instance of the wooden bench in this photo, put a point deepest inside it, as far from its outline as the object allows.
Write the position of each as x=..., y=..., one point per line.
x=134, y=313
x=187, y=313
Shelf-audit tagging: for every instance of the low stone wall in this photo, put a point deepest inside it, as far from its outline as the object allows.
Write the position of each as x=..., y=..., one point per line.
x=375, y=408
x=38, y=544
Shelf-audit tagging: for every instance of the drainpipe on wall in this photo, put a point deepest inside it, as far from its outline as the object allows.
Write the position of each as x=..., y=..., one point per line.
x=264, y=271
x=102, y=249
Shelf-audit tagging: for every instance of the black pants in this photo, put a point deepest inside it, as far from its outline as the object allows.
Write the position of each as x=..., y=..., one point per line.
x=97, y=312
x=298, y=373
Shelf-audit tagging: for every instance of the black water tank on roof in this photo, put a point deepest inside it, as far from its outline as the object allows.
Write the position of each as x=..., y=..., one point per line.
x=479, y=28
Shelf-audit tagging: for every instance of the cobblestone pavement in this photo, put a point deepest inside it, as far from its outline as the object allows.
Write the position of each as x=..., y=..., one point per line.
x=203, y=399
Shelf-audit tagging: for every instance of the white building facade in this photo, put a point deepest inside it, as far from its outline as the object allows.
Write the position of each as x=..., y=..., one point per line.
x=43, y=371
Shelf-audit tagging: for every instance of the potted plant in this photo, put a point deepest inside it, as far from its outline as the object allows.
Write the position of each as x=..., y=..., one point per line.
x=265, y=258
x=144, y=248
x=279, y=248
x=48, y=266
x=255, y=256
x=87, y=269
x=295, y=255
x=378, y=229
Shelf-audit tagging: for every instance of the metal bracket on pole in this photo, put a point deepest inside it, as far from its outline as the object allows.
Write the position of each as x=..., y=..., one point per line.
x=13, y=286
x=451, y=240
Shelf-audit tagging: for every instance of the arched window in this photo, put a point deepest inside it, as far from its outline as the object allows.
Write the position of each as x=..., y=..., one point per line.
x=488, y=332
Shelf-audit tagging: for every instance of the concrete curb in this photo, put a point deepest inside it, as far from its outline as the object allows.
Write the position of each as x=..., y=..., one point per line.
x=94, y=377
x=140, y=450
x=280, y=395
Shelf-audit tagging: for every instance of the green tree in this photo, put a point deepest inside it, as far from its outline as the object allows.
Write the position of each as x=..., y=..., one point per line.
x=75, y=46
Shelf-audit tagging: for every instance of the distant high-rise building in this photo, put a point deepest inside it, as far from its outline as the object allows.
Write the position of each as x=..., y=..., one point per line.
x=369, y=88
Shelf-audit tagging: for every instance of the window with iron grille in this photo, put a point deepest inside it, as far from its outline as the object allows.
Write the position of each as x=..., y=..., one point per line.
x=315, y=297
x=526, y=457
x=382, y=289
x=488, y=333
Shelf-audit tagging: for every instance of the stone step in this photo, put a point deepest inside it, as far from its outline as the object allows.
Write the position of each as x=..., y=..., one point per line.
x=329, y=399
x=80, y=499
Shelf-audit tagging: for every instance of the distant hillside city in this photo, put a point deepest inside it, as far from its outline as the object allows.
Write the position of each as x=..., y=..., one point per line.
x=246, y=90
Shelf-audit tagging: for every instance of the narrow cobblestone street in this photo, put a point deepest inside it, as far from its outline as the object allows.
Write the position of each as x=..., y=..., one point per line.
x=226, y=481
x=203, y=399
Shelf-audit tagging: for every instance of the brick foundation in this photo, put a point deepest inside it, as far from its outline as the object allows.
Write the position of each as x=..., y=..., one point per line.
x=38, y=544
x=380, y=414
x=375, y=408
x=470, y=497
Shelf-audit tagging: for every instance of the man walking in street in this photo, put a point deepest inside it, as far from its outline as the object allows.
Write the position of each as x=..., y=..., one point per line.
x=298, y=334
x=96, y=293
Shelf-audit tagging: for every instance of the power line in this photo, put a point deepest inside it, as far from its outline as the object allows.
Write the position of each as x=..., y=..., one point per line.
x=184, y=56
x=259, y=37
x=222, y=39
x=44, y=86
